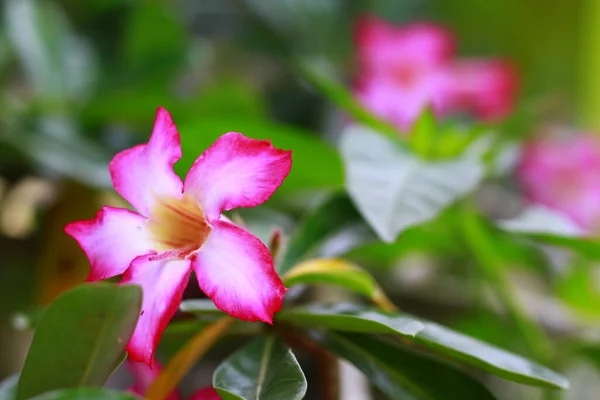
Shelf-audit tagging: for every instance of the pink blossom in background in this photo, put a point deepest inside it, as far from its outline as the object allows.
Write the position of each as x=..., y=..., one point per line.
x=178, y=228
x=562, y=172
x=401, y=70
x=144, y=375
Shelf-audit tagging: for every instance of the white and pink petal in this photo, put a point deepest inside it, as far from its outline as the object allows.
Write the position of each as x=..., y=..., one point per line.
x=144, y=172
x=111, y=240
x=235, y=269
x=236, y=171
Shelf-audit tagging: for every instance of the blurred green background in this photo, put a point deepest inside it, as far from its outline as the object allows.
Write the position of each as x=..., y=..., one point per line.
x=82, y=80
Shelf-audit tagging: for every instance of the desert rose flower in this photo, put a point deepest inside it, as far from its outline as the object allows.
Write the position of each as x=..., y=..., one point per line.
x=562, y=172
x=401, y=70
x=144, y=375
x=178, y=228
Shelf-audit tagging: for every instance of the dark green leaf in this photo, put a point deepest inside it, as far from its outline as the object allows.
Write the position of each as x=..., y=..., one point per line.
x=394, y=189
x=263, y=370
x=8, y=388
x=352, y=318
x=441, y=340
x=403, y=374
x=85, y=394
x=315, y=165
x=80, y=338
x=331, y=216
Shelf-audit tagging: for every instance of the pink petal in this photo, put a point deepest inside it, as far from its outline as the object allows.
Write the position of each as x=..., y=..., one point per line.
x=163, y=282
x=208, y=393
x=143, y=172
x=236, y=271
x=486, y=87
x=562, y=174
x=383, y=47
x=236, y=172
x=111, y=240
x=144, y=375
x=401, y=103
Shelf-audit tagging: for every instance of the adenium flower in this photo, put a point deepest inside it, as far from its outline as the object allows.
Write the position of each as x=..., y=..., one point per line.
x=562, y=171
x=401, y=70
x=178, y=228
x=144, y=374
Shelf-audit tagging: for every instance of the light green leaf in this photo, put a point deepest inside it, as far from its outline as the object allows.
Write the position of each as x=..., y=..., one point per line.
x=59, y=64
x=80, y=338
x=8, y=388
x=538, y=219
x=394, y=189
x=263, y=370
x=332, y=271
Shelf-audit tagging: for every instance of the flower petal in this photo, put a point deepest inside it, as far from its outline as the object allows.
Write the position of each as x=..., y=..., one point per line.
x=163, y=282
x=486, y=87
x=111, y=240
x=208, y=393
x=235, y=269
x=383, y=47
x=143, y=172
x=236, y=171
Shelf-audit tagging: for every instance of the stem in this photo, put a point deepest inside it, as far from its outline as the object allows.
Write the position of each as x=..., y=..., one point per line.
x=492, y=266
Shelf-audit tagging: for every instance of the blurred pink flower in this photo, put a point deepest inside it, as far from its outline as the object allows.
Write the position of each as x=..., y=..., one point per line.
x=178, y=228
x=144, y=375
x=404, y=69
x=562, y=172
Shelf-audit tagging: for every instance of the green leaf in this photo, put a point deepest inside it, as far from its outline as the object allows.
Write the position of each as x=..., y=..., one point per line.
x=200, y=306
x=80, y=338
x=8, y=387
x=85, y=394
x=394, y=189
x=315, y=165
x=538, y=219
x=332, y=271
x=55, y=145
x=265, y=369
x=59, y=64
x=400, y=373
x=351, y=318
x=333, y=215
x=441, y=340
x=423, y=133
x=147, y=48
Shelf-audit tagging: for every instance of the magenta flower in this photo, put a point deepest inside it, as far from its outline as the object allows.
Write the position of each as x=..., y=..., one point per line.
x=403, y=70
x=178, y=228
x=144, y=374
x=562, y=172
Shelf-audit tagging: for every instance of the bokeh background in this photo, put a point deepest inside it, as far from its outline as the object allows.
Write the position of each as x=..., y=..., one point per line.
x=81, y=81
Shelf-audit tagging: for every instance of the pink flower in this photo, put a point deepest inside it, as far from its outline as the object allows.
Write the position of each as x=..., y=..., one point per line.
x=403, y=70
x=562, y=172
x=178, y=228
x=144, y=374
